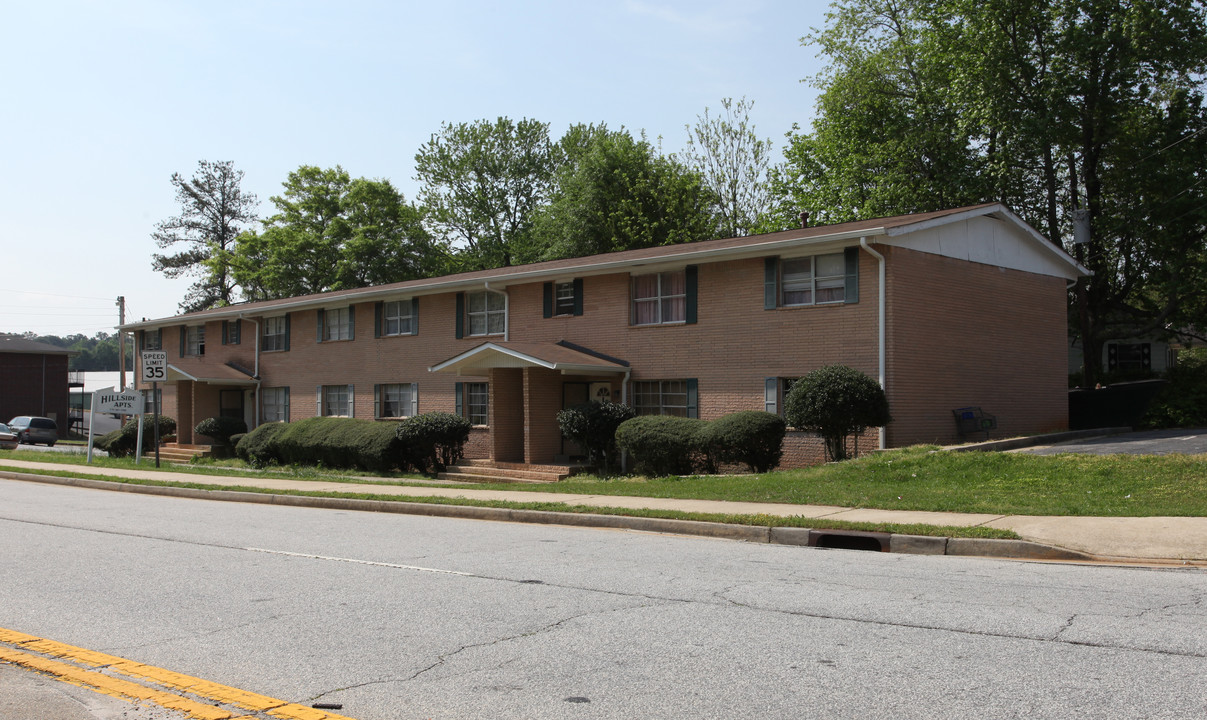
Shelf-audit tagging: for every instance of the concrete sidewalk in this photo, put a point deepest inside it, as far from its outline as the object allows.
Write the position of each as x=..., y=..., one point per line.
x=1147, y=539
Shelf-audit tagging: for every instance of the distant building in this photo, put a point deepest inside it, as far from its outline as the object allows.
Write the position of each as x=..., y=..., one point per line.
x=33, y=380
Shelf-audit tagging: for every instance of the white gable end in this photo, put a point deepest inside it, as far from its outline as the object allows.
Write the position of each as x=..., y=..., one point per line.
x=991, y=240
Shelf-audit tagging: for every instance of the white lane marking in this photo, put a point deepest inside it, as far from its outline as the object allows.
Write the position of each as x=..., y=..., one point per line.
x=360, y=562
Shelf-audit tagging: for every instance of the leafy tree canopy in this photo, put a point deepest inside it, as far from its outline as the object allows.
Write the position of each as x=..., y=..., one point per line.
x=734, y=162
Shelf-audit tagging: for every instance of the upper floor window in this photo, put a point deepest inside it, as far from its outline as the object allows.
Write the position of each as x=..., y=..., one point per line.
x=336, y=324
x=398, y=318
x=563, y=298
x=152, y=339
x=276, y=333
x=660, y=298
x=486, y=312
x=195, y=340
x=812, y=280
x=232, y=332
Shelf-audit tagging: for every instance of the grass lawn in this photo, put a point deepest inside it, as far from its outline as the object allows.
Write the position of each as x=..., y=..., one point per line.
x=909, y=479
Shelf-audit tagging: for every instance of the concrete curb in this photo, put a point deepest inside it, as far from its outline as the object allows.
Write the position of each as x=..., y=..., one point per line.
x=837, y=539
x=1035, y=440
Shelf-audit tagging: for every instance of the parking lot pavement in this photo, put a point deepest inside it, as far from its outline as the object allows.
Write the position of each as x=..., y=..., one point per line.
x=1148, y=442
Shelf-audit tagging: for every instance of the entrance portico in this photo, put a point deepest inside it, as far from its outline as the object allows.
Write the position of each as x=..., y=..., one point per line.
x=222, y=391
x=528, y=386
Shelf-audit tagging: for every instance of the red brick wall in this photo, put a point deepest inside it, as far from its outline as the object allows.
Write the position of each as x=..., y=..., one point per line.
x=505, y=405
x=966, y=334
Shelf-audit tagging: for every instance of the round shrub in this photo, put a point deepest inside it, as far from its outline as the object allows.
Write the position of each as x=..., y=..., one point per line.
x=753, y=438
x=663, y=444
x=836, y=402
x=433, y=441
x=258, y=448
x=593, y=426
x=121, y=442
x=221, y=429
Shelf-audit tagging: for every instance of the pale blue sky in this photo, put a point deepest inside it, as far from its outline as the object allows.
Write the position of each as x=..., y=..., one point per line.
x=103, y=101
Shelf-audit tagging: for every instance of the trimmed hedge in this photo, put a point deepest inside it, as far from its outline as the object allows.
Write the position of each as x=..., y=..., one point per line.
x=664, y=444
x=221, y=429
x=338, y=443
x=258, y=448
x=432, y=441
x=753, y=437
x=836, y=402
x=121, y=442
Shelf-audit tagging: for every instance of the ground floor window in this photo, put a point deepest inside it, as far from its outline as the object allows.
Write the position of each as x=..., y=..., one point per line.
x=472, y=402
x=153, y=403
x=335, y=400
x=775, y=391
x=665, y=397
x=395, y=400
x=276, y=404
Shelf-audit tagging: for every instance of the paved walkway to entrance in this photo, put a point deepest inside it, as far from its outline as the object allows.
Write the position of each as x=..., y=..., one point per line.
x=1148, y=538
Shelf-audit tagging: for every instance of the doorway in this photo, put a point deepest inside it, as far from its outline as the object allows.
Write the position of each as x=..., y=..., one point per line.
x=573, y=395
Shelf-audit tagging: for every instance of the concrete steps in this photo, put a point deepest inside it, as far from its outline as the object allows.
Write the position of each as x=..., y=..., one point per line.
x=177, y=453
x=489, y=471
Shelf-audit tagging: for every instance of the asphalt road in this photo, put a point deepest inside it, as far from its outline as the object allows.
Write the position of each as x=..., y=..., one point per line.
x=412, y=617
x=1148, y=442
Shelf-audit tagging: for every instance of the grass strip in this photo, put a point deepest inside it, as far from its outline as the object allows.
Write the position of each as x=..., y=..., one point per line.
x=729, y=519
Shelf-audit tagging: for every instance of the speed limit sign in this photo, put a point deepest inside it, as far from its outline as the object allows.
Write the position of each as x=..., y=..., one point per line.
x=154, y=365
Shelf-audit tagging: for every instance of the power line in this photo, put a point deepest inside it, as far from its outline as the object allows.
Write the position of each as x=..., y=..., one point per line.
x=39, y=292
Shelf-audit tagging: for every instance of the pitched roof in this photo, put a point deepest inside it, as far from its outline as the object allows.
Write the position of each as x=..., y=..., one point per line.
x=25, y=346
x=704, y=250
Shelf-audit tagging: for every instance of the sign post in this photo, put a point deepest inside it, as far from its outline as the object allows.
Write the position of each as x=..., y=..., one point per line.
x=108, y=400
x=154, y=369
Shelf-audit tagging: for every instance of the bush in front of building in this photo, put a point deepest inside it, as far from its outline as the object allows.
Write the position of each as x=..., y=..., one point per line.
x=753, y=438
x=258, y=448
x=836, y=402
x=432, y=441
x=344, y=443
x=1183, y=402
x=664, y=444
x=593, y=426
x=121, y=442
x=221, y=429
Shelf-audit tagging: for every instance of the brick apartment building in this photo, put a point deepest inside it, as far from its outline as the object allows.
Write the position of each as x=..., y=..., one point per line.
x=34, y=380
x=949, y=309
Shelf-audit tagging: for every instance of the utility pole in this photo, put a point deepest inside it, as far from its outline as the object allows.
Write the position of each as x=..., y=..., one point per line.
x=121, y=340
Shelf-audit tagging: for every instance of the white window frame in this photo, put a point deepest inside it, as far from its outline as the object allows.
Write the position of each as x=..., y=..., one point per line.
x=152, y=340
x=563, y=298
x=659, y=300
x=195, y=341
x=488, y=319
x=337, y=324
x=402, y=397
x=809, y=281
x=477, y=403
x=275, y=403
x=336, y=401
x=397, y=318
x=273, y=337
x=660, y=397
x=148, y=406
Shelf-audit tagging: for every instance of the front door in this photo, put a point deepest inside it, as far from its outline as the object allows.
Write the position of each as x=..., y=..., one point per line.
x=573, y=395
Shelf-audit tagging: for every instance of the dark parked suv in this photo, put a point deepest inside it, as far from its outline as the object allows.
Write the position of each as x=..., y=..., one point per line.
x=32, y=430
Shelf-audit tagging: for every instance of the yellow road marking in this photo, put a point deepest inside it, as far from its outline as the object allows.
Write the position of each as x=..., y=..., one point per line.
x=84, y=668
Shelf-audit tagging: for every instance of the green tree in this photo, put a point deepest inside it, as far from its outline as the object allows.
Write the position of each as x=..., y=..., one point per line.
x=615, y=192
x=836, y=402
x=481, y=183
x=734, y=162
x=1046, y=107
x=332, y=232
x=214, y=209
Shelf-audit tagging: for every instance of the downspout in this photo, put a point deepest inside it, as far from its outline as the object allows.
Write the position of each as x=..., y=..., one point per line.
x=863, y=243
x=256, y=368
x=506, y=310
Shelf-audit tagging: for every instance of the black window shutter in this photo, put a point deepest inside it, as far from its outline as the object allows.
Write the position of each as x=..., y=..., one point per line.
x=351, y=322
x=319, y=325
x=414, y=316
x=377, y=399
x=184, y=334
x=690, y=275
x=771, y=271
x=459, y=392
x=851, y=258
x=238, y=339
x=142, y=340
x=578, y=296
x=225, y=331
x=547, y=293
x=286, y=331
x=160, y=343
x=377, y=320
x=460, y=316
x=693, y=398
